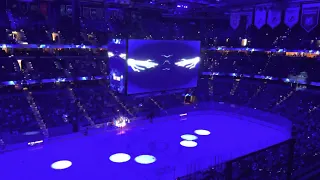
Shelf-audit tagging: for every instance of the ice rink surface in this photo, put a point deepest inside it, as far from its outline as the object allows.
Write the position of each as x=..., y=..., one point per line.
x=88, y=157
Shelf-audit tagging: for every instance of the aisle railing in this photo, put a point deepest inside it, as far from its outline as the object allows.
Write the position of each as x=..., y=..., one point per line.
x=274, y=162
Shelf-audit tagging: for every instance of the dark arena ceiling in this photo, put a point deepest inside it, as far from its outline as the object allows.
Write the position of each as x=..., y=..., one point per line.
x=205, y=5
x=209, y=3
x=209, y=6
x=225, y=3
x=198, y=8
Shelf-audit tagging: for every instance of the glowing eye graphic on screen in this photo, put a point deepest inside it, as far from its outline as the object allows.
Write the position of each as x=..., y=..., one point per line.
x=122, y=56
x=138, y=65
x=110, y=54
x=188, y=63
x=166, y=62
x=166, y=56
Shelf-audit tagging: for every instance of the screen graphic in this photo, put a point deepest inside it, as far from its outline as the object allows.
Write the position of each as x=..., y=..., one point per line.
x=159, y=65
x=117, y=64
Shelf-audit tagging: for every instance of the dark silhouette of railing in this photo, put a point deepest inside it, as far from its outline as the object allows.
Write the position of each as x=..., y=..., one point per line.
x=275, y=161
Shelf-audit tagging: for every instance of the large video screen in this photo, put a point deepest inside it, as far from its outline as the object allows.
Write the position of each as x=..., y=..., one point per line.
x=117, y=64
x=161, y=65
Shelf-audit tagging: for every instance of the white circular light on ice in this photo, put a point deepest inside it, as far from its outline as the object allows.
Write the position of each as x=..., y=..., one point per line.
x=188, y=143
x=63, y=164
x=189, y=137
x=145, y=159
x=119, y=158
x=202, y=132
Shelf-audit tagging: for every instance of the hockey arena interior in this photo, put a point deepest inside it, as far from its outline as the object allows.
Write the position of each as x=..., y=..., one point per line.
x=160, y=90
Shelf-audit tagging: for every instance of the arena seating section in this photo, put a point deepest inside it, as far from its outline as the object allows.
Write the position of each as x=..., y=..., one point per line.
x=95, y=102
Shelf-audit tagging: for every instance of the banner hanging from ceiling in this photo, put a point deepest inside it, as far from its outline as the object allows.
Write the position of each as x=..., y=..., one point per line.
x=44, y=8
x=291, y=16
x=260, y=17
x=235, y=20
x=309, y=16
x=248, y=20
x=24, y=7
x=114, y=14
x=118, y=1
x=274, y=18
x=93, y=13
x=69, y=10
x=86, y=12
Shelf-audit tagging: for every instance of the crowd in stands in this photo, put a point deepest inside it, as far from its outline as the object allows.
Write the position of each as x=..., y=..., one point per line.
x=65, y=102
x=261, y=63
x=301, y=107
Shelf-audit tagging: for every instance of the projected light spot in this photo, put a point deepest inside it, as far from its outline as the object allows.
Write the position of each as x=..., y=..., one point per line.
x=202, y=132
x=145, y=159
x=31, y=133
x=119, y=158
x=188, y=143
x=189, y=137
x=59, y=165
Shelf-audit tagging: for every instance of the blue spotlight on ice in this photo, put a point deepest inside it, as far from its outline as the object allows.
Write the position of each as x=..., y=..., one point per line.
x=188, y=143
x=63, y=164
x=202, y=132
x=189, y=137
x=145, y=159
x=119, y=158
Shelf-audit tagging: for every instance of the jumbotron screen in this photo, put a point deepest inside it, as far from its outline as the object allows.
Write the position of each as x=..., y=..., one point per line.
x=161, y=65
x=117, y=64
